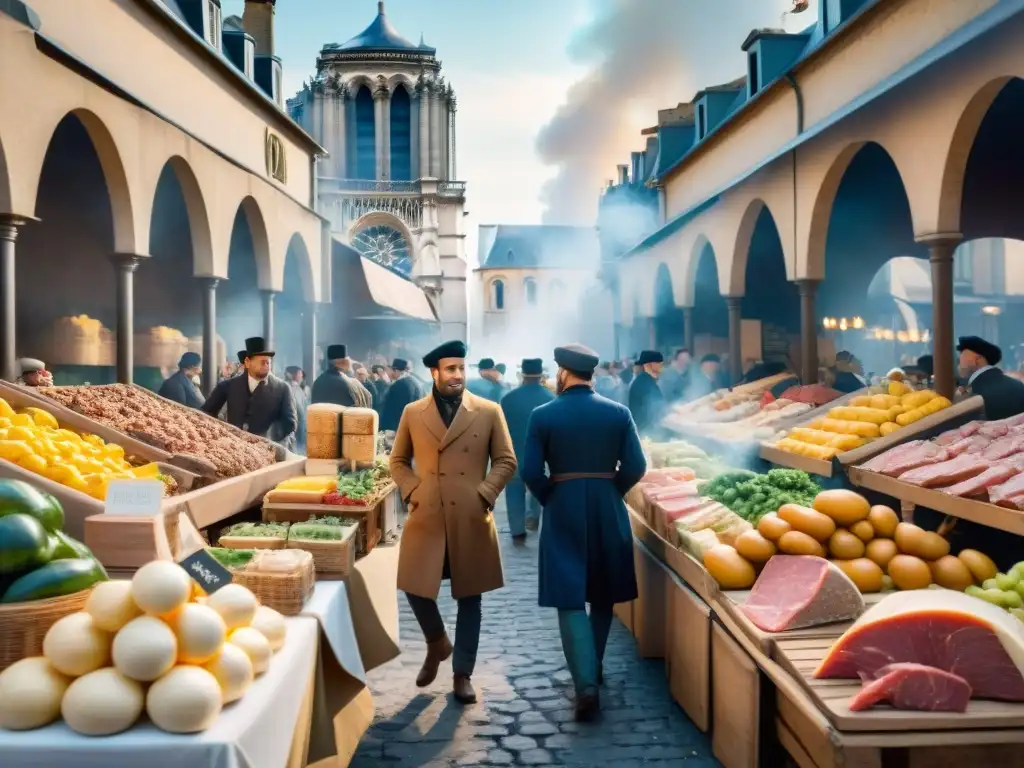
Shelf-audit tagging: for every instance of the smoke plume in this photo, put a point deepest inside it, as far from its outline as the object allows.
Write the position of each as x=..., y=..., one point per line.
x=642, y=55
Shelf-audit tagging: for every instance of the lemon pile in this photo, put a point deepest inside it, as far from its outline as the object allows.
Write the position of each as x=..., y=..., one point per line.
x=32, y=439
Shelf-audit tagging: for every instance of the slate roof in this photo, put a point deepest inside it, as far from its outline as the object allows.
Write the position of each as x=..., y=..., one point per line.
x=381, y=36
x=539, y=247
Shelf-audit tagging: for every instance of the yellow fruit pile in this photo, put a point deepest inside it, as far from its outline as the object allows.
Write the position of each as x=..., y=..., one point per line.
x=32, y=439
x=866, y=418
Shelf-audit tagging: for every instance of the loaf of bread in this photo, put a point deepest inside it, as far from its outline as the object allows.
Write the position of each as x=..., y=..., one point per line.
x=324, y=419
x=321, y=445
x=358, y=447
x=359, y=421
x=287, y=496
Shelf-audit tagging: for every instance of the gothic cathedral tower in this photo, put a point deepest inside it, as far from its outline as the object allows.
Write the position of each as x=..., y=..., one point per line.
x=382, y=109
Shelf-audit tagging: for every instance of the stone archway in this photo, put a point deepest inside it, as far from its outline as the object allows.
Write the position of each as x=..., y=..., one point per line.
x=198, y=216
x=260, y=241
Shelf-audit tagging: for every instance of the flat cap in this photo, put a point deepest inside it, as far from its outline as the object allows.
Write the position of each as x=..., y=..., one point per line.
x=978, y=345
x=532, y=366
x=650, y=356
x=576, y=357
x=454, y=349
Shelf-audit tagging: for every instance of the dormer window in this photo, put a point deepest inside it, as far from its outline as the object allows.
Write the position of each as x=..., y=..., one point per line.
x=702, y=121
x=753, y=74
x=213, y=24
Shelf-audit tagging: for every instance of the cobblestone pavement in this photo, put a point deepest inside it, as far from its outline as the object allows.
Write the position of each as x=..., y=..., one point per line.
x=524, y=716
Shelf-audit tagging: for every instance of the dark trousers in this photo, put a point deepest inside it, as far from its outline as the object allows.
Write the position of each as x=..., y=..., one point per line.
x=521, y=506
x=584, y=639
x=467, y=628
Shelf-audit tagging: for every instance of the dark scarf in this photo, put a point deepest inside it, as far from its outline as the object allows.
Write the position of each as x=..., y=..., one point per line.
x=447, y=406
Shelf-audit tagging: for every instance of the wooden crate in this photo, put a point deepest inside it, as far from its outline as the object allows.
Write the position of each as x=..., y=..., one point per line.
x=369, y=518
x=650, y=611
x=688, y=652
x=735, y=702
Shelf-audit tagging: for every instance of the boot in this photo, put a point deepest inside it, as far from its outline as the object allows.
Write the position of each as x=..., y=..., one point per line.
x=588, y=704
x=463, y=690
x=519, y=540
x=437, y=651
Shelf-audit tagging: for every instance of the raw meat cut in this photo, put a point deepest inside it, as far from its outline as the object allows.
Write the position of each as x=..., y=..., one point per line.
x=673, y=509
x=920, y=457
x=940, y=628
x=952, y=435
x=795, y=591
x=977, y=485
x=879, y=463
x=946, y=472
x=914, y=686
x=968, y=445
x=1006, y=491
x=665, y=492
x=1003, y=447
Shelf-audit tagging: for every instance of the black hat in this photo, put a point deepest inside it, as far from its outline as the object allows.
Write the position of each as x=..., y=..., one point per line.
x=190, y=360
x=650, y=356
x=455, y=349
x=986, y=349
x=337, y=352
x=256, y=346
x=501, y=368
x=532, y=366
x=242, y=355
x=576, y=358
x=398, y=364
x=487, y=364
x=926, y=364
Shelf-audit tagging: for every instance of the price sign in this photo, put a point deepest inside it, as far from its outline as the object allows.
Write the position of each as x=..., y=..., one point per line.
x=206, y=571
x=134, y=497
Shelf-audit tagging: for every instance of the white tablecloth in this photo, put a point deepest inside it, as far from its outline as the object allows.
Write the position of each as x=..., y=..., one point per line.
x=255, y=732
x=329, y=605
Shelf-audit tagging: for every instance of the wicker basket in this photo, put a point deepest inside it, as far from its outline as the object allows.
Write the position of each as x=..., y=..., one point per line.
x=369, y=517
x=286, y=593
x=24, y=625
x=330, y=558
x=252, y=542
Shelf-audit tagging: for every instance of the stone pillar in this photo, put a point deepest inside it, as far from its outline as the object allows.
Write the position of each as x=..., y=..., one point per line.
x=735, y=304
x=940, y=254
x=435, y=131
x=423, y=93
x=125, y=265
x=455, y=172
x=688, y=334
x=379, y=96
x=211, y=365
x=386, y=112
x=8, y=302
x=445, y=125
x=268, y=316
x=309, y=341
x=808, y=331
x=341, y=133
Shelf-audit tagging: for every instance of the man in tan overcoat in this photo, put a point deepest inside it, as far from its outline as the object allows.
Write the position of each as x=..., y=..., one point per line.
x=450, y=436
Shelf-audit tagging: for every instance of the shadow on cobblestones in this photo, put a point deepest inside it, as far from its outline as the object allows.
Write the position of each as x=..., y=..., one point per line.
x=524, y=716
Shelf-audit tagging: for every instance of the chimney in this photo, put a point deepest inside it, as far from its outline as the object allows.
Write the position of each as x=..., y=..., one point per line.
x=258, y=20
x=623, y=174
x=638, y=167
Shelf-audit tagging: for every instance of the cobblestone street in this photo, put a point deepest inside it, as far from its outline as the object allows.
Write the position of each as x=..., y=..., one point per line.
x=524, y=716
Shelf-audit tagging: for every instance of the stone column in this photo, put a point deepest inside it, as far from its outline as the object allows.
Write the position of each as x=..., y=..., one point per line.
x=455, y=172
x=386, y=112
x=211, y=365
x=8, y=302
x=808, y=331
x=341, y=132
x=435, y=130
x=735, y=304
x=940, y=254
x=125, y=265
x=379, y=97
x=445, y=133
x=423, y=94
x=268, y=316
x=688, y=334
x=309, y=340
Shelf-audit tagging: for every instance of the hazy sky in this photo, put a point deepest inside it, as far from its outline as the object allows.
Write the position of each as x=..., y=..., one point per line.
x=552, y=93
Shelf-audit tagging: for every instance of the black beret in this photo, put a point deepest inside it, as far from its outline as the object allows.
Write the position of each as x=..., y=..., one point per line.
x=398, y=364
x=576, y=357
x=986, y=349
x=650, y=356
x=454, y=349
x=190, y=360
x=532, y=366
x=337, y=352
x=487, y=364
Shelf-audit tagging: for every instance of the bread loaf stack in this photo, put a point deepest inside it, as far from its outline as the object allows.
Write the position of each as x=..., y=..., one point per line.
x=359, y=434
x=323, y=431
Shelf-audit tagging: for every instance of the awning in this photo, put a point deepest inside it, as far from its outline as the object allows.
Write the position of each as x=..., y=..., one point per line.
x=395, y=294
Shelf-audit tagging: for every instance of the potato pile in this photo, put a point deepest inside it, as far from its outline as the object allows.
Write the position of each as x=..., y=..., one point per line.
x=868, y=543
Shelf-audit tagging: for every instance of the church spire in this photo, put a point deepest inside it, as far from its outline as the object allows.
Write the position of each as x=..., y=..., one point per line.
x=380, y=7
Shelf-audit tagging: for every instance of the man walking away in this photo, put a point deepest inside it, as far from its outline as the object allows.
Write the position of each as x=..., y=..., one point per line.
x=593, y=456
x=440, y=464
x=404, y=390
x=517, y=405
x=502, y=382
x=675, y=379
x=646, y=402
x=180, y=386
x=337, y=384
x=380, y=382
x=487, y=386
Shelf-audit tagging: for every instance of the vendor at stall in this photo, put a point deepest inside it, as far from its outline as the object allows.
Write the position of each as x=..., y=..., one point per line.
x=646, y=402
x=849, y=373
x=180, y=386
x=256, y=400
x=338, y=384
x=1003, y=395
x=33, y=373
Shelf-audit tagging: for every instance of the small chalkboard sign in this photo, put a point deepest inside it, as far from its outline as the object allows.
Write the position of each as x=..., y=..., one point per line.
x=206, y=571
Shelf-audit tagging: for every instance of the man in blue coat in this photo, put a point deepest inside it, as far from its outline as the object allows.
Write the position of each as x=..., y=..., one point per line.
x=646, y=401
x=593, y=456
x=523, y=509
x=488, y=385
x=404, y=390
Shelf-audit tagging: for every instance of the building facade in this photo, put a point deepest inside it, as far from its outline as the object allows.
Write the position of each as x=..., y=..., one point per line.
x=382, y=108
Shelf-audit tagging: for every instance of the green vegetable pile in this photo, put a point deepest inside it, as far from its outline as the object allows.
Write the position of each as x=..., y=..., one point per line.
x=357, y=485
x=232, y=558
x=257, y=530
x=752, y=496
x=320, y=529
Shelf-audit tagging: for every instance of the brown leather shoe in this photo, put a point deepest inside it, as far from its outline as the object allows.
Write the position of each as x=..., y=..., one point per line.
x=437, y=651
x=463, y=690
x=588, y=704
